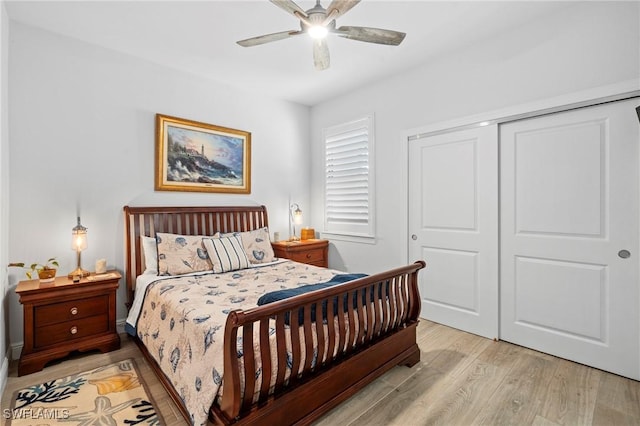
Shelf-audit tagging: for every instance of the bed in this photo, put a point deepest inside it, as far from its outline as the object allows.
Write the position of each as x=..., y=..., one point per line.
x=353, y=332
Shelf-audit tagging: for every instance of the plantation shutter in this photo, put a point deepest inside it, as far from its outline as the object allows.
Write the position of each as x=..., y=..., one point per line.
x=348, y=178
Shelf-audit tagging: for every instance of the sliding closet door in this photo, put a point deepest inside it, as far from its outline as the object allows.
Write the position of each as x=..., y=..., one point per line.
x=453, y=226
x=569, y=236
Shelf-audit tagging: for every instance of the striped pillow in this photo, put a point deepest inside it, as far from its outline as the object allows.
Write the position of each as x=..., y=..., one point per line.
x=256, y=244
x=226, y=253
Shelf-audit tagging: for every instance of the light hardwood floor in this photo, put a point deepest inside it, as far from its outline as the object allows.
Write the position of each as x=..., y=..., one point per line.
x=462, y=379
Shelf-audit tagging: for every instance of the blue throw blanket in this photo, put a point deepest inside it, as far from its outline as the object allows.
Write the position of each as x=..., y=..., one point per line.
x=275, y=296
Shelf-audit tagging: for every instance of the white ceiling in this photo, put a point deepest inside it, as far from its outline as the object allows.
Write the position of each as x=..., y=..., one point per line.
x=199, y=37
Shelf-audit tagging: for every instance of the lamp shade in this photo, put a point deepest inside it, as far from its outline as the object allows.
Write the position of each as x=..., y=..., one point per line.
x=297, y=216
x=79, y=242
x=79, y=237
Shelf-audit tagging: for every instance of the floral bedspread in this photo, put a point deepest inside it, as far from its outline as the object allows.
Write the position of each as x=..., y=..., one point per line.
x=182, y=323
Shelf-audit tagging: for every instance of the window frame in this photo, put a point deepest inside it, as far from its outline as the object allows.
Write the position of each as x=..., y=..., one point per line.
x=352, y=232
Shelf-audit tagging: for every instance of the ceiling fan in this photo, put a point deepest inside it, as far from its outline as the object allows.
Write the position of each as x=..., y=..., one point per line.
x=318, y=22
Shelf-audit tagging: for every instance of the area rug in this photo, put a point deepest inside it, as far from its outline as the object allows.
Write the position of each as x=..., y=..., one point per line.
x=110, y=395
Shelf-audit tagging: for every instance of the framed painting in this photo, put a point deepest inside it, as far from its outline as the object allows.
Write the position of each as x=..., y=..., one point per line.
x=200, y=157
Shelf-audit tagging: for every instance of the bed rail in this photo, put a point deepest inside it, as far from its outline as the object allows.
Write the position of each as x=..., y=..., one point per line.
x=365, y=314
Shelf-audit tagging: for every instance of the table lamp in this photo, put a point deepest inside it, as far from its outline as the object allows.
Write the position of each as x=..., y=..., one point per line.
x=78, y=243
x=295, y=215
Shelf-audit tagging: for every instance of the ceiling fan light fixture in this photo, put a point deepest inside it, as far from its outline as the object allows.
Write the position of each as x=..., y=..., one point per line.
x=318, y=22
x=318, y=31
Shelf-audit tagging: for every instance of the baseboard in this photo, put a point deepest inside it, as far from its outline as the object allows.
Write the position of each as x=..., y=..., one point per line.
x=16, y=349
x=120, y=325
x=4, y=372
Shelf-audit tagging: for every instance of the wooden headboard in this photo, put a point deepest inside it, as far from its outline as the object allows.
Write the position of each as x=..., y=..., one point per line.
x=181, y=220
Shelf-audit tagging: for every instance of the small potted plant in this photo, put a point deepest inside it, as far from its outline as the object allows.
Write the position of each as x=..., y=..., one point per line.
x=46, y=271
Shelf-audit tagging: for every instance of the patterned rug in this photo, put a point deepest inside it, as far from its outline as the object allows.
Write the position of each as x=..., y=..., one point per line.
x=111, y=395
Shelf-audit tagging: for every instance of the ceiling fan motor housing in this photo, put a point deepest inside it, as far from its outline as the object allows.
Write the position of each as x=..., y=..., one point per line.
x=316, y=16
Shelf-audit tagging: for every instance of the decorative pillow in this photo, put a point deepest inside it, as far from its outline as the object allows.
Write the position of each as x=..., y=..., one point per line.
x=150, y=253
x=226, y=253
x=181, y=254
x=257, y=245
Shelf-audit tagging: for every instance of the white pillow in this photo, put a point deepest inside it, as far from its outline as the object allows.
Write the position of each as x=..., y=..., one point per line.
x=150, y=252
x=226, y=253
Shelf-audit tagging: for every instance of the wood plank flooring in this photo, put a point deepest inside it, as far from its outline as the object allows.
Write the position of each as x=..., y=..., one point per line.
x=462, y=379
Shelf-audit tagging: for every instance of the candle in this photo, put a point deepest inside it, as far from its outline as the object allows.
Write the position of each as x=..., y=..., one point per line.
x=101, y=266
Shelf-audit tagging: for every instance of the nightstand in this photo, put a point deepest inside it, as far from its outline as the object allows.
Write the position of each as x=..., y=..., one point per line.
x=312, y=252
x=63, y=316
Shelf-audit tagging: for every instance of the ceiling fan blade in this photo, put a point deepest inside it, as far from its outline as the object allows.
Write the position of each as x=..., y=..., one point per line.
x=321, y=54
x=371, y=35
x=338, y=8
x=267, y=38
x=290, y=6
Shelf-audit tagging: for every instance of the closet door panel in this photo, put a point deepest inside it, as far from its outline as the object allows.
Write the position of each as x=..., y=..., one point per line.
x=561, y=180
x=453, y=225
x=569, y=206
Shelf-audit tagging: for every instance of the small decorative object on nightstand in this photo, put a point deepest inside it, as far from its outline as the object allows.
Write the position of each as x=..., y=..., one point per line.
x=101, y=266
x=312, y=252
x=63, y=316
x=307, y=234
x=46, y=272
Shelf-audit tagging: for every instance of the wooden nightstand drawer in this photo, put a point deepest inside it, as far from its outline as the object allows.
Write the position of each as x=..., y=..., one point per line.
x=308, y=256
x=71, y=310
x=70, y=330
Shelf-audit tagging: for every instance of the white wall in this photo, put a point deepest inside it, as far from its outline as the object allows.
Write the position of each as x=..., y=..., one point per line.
x=82, y=137
x=82, y=131
x=583, y=46
x=4, y=195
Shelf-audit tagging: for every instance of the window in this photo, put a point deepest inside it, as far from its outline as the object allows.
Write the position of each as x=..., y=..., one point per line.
x=349, y=184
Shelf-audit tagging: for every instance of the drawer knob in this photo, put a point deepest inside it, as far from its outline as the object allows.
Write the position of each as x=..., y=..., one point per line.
x=74, y=311
x=308, y=255
x=73, y=330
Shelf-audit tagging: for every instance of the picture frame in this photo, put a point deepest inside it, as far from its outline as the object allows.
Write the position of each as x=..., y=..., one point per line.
x=201, y=157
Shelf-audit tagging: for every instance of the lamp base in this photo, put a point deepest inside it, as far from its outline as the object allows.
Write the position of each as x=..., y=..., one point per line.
x=78, y=272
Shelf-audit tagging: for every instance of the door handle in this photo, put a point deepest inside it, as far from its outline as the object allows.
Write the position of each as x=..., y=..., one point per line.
x=414, y=237
x=624, y=254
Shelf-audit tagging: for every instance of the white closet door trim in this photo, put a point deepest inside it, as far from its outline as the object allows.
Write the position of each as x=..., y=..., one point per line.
x=609, y=93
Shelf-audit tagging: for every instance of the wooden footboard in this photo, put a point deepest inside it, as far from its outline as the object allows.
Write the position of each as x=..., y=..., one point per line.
x=374, y=328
